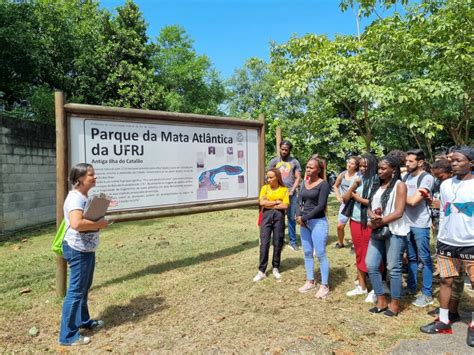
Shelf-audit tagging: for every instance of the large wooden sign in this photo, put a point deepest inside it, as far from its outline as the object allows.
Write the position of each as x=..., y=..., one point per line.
x=158, y=163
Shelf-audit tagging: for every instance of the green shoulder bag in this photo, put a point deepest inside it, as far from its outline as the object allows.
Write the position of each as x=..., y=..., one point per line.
x=58, y=239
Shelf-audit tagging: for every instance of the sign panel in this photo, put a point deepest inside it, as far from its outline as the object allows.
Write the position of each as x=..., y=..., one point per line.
x=146, y=165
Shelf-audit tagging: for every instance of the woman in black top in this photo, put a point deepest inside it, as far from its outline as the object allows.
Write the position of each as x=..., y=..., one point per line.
x=311, y=217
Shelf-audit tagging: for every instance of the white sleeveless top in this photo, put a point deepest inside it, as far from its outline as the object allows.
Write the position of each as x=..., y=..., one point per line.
x=399, y=226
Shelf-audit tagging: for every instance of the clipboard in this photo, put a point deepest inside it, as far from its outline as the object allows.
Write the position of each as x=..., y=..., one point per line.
x=96, y=208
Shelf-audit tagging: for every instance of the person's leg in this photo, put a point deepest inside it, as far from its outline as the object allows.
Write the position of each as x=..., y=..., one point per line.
x=265, y=234
x=360, y=239
x=373, y=260
x=412, y=262
x=307, y=244
x=319, y=235
x=394, y=248
x=70, y=315
x=291, y=212
x=341, y=224
x=84, y=318
x=278, y=236
x=422, y=239
x=457, y=290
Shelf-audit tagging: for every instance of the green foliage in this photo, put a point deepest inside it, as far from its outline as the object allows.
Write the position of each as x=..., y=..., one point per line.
x=97, y=58
x=189, y=81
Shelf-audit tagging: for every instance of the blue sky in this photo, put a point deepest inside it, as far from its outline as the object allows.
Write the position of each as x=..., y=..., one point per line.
x=231, y=31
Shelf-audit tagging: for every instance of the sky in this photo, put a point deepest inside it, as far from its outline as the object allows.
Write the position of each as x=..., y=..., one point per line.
x=231, y=31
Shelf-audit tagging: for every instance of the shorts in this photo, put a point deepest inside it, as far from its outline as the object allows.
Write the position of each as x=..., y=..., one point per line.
x=450, y=259
x=341, y=218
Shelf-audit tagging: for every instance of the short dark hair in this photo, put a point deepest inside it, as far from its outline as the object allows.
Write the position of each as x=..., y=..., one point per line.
x=442, y=164
x=288, y=143
x=78, y=171
x=420, y=154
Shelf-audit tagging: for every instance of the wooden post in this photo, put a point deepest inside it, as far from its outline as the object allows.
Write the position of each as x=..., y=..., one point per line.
x=278, y=140
x=261, y=151
x=61, y=183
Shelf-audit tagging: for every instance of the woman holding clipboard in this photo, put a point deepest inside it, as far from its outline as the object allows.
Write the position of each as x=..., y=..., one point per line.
x=79, y=245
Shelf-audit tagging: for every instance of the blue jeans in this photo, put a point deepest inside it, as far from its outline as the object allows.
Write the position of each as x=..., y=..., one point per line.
x=392, y=248
x=418, y=246
x=75, y=313
x=315, y=237
x=291, y=218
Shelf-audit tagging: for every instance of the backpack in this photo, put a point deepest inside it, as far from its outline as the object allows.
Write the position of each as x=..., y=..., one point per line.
x=420, y=178
x=418, y=181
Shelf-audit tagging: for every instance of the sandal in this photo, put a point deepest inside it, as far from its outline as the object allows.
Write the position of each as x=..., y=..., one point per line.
x=377, y=310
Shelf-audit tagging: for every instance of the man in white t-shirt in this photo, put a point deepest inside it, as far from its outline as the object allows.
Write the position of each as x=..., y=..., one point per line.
x=419, y=219
x=455, y=237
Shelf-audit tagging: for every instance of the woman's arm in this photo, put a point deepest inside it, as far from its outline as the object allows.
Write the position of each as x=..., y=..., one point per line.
x=336, y=187
x=400, y=203
x=79, y=223
x=322, y=202
x=351, y=191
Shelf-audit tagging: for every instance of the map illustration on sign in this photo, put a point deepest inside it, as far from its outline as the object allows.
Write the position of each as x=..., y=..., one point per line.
x=207, y=178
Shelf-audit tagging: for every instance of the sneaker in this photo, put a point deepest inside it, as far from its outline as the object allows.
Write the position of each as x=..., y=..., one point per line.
x=453, y=317
x=339, y=246
x=259, y=277
x=306, y=287
x=371, y=297
x=294, y=247
x=80, y=341
x=470, y=335
x=322, y=292
x=356, y=292
x=422, y=301
x=437, y=327
x=276, y=273
x=386, y=290
x=95, y=324
x=406, y=292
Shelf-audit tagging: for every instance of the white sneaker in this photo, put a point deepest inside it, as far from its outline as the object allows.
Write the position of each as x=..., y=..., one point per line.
x=386, y=290
x=356, y=292
x=306, y=287
x=276, y=273
x=260, y=276
x=371, y=297
x=322, y=292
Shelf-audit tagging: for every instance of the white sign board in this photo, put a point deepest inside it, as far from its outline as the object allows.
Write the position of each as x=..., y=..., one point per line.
x=146, y=165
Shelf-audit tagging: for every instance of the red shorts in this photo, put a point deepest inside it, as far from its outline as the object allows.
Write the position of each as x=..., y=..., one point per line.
x=360, y=238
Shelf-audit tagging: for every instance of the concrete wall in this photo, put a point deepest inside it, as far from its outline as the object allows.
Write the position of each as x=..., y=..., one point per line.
x=28, y=174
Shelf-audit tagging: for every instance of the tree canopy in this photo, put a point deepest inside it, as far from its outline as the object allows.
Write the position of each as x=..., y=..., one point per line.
x=98, y=58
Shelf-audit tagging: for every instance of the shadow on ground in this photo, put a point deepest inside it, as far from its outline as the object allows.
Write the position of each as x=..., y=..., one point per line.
x=136, y=309
x=176, y=264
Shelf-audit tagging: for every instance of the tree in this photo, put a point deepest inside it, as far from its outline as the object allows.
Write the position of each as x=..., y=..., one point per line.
x=189, y=80
x=19, y=51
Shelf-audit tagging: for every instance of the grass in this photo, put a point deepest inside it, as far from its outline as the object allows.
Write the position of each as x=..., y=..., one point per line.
x=183, y=284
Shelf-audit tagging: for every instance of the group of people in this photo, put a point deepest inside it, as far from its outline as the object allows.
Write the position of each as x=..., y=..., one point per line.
x=393, y=205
